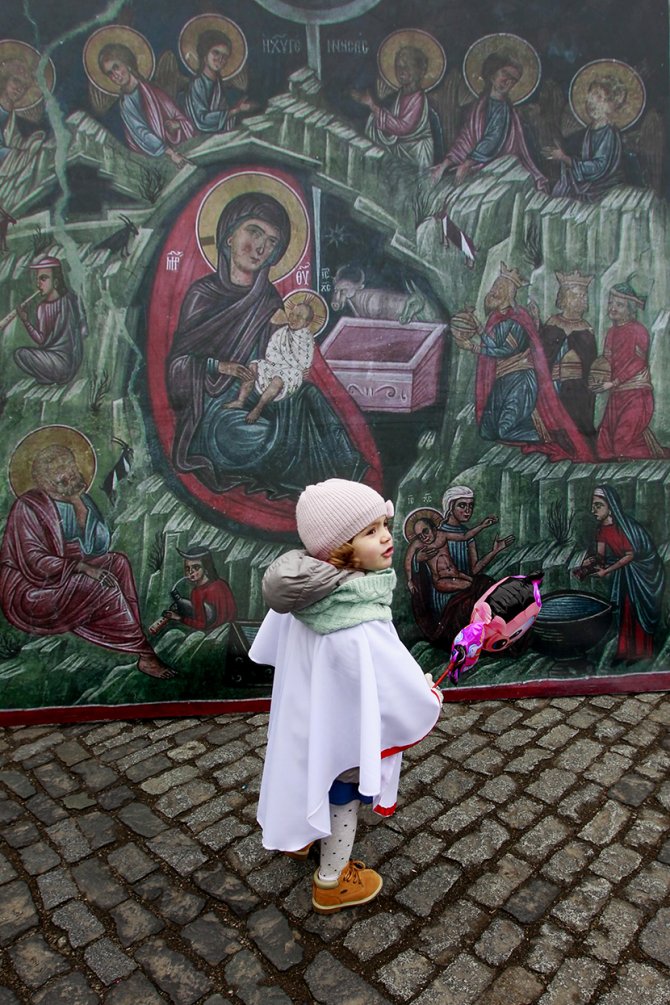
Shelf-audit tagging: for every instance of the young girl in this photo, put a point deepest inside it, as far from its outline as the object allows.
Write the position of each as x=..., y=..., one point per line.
x=347, y=697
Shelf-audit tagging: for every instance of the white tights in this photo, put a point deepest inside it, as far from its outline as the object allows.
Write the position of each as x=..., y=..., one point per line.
x=336, y=849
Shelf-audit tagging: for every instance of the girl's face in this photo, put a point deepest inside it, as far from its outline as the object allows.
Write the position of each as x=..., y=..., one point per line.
x=373, y=546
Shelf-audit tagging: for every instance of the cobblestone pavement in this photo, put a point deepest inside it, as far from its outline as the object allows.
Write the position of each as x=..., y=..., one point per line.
x=529, y=862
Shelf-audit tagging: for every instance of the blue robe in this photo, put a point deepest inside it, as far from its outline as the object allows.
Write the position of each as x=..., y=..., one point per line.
x=208, y=105
x=643, y=579
x=598, y=168
x=508, y=411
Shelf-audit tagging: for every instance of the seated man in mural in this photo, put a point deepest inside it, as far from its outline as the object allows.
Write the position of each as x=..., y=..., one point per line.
x=493, y=128
x=626, y=553
x=211, y=106
x=404, y=129
x=59, y=329
x=57, y=573
x=570, y=347
x=152, y=122
x=211, y=602
x=599, y=165
x=515, y=400
x=224, y=325
x=624, y=431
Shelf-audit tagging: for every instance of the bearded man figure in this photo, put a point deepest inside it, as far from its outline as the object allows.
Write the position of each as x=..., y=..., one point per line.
x=57, y=573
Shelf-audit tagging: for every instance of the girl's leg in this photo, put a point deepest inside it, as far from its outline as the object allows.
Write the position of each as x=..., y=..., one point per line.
x=336, y=849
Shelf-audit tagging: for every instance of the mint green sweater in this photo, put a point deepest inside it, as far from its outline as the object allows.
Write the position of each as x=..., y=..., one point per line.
x=364, y=598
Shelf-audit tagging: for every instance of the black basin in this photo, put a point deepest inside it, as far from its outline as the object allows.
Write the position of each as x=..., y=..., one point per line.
x=569, y=623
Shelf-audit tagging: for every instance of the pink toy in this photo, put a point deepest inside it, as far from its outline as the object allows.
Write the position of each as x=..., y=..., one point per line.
x=500, y=617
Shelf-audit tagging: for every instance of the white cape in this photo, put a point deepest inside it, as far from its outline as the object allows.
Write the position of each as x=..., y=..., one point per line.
x=352, y=699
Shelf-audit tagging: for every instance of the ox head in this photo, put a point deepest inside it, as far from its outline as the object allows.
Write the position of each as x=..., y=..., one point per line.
x=346, y=284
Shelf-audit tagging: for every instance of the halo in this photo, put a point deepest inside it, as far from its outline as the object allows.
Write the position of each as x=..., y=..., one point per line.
x=193, y=29
x=518, y=49
x=622, y=73
x=318, y=305
x=22, y=57
x=218, y=198
x=431, y=48
x=424, y=513
x=120, y=35
x=21, y=461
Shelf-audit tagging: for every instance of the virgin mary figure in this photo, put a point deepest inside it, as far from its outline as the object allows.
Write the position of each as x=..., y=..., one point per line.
x=225, y=323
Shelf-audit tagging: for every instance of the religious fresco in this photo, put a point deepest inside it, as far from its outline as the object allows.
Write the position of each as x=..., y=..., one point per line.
x=246, y=246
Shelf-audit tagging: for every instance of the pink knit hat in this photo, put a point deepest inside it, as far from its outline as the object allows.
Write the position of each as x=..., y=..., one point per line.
x=332, y=512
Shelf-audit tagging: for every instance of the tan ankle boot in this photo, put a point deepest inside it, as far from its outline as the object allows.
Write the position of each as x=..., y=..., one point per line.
x=356, y=885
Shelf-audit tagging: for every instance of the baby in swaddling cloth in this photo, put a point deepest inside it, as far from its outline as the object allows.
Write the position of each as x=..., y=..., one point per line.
x=288, y=355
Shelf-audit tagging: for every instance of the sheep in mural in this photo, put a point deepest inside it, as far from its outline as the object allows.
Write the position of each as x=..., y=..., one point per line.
x=349, y=290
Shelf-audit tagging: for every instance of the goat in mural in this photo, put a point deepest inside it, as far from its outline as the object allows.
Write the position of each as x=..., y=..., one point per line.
x=624, y=431
x=57, y=573
x=515, y=400
x=410, y=62
x=288, y=356
x=6, y=220
x=626, y=552
x=500, y=70
x=118, y=62
x=59, y=330
x=119, y=242
x=299, y=439
x=350, y=291
x=570, y=347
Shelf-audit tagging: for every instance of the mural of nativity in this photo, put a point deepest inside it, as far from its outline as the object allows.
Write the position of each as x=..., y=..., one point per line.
x=246, y=246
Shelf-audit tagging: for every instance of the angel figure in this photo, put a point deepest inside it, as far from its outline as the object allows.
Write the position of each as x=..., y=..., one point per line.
x=214, y=50
x=410, y=62
x=119, y=62
x=607, y=96
x=501, y=70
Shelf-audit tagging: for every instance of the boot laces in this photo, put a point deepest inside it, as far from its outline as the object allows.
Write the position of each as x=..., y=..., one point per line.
x=352, y=873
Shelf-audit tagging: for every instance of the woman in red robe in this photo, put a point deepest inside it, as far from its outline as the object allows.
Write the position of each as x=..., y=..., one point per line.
x=627, y=554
